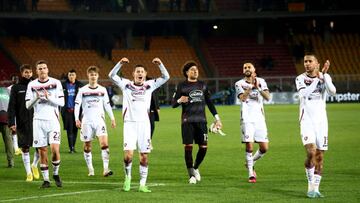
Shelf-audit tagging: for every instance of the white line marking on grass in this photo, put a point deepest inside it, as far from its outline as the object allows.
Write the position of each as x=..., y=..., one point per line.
x=74, y=193
x=89, y=183
x=53, y=195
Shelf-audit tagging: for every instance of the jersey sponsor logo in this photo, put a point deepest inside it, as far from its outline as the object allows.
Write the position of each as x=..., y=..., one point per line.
x=196, y=96
x=46, y=87
x=89, y=94
x=92, y=102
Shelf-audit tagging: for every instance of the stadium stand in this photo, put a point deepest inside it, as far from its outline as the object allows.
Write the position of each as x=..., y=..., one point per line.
x=342, y=49
x=228, y=54
x=49, y=5
x=27, y=50
x=173, y=51
x=8, y=68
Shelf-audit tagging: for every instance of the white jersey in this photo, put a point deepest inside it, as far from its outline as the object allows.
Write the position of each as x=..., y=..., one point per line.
x=252, y=109
x=136, y=99
x=45, y=108
x=312, y=93
x=93, y=102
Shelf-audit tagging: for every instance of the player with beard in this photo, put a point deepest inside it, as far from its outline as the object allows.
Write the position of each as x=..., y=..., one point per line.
x=193, y=95
x=251, y=91
x=313, y=87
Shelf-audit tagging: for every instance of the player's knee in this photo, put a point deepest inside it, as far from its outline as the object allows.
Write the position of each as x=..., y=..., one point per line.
x=263, y=150
x=87, y=148
x=25, y=149
x=188, y=147
x=143, y=160
x=104, y=147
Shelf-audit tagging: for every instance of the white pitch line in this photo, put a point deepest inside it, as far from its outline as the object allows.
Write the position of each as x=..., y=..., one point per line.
x=88, y=183
x=73, y=193
x=53, y=195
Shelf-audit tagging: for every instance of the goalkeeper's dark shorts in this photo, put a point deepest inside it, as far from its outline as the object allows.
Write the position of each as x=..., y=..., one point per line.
x=194, y=132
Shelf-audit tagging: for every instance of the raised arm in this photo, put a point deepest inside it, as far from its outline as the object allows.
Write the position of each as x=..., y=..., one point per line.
x=330, y=87
x=113, y=75
x=164, y=73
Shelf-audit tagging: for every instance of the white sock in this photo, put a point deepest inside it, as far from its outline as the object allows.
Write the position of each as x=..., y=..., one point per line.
x=310, y=177
x=56, y=166
x=15, y=142
x=45, y=172
x=128, y=169
x=250, y=163
x=88, y=160
x=143, y=174
x=317, y=179
x=105, y=154
x=36, y=158
x=26, y=160
x=257, y=156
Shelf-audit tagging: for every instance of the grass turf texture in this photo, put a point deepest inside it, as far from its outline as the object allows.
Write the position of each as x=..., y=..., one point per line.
x=281, y=175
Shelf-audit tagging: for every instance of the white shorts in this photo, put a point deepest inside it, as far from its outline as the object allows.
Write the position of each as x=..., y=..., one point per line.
x=46, y=132
x=254, y=132
x=137, y=132
x=315, y=133
x=90, y=130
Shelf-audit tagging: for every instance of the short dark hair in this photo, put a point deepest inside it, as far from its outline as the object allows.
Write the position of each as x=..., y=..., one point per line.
x=40, y=62
x=139, y=65
x=72, y=71
x=25, y=67
x=93, y=68
x=187, y=66
x=311, y=54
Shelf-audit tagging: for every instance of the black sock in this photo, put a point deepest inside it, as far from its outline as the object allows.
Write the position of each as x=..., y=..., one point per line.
x=200, y=157
x=188, y=157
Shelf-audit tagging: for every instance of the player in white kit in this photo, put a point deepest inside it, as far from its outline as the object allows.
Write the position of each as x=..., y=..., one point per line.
x=251, y=91
x=136, y=108
x=313, y=87
x=45, y=95
x=93, y=98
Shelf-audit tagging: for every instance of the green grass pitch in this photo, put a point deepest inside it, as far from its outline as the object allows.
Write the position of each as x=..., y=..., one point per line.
x=281, y=176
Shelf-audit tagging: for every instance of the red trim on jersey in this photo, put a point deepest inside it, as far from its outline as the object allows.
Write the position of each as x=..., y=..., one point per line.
x=57, y=116
x=302, y=114
x=124, y=113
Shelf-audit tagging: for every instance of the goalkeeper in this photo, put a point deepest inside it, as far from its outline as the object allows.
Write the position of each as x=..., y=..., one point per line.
x=251, y=91
x=193, y=95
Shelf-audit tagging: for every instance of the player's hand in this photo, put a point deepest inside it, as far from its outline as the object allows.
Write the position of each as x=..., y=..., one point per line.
x=218, y=124
x=183, y=99
x=46, y=93
x=156, y=61
x=326, y=67
x=124, y=60
x=13, y=128
x=78, y=123
x=113, y=123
